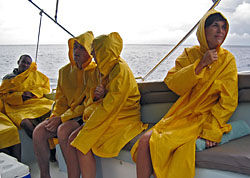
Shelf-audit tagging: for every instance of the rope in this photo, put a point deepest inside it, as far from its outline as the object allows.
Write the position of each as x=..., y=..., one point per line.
x=40, y=24
x=178, y=44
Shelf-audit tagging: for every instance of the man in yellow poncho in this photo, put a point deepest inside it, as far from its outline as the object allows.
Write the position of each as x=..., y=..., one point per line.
x=9, y=136
x=22, y=93
x=114, y=120
x=205, y=77
x=70, y=94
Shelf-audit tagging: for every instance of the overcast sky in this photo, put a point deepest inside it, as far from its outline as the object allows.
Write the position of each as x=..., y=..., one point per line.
x=138, y=21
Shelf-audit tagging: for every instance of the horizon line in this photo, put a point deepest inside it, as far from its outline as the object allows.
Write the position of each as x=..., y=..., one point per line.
x=153, y=44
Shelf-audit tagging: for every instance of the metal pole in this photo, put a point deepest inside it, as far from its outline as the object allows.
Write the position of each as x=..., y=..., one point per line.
x=37, y=45
x=52, y=18
x=56, y=10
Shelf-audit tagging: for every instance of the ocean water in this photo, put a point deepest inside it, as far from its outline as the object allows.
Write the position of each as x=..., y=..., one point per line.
x=141, y=59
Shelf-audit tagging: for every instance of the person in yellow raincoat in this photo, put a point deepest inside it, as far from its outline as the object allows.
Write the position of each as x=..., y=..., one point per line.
x=70, y=93
x=114, y=120
x=9, y=136
x=22, y=93
x=205, y=78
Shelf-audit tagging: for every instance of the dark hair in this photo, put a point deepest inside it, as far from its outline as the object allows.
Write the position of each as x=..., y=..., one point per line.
x=23, y=56
x=214, y=17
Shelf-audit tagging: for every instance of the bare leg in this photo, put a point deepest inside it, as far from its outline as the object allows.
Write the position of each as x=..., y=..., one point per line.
x=70, y=157
x=87, y=164
x=41, y=148
x=28, y=127
x=144, y=166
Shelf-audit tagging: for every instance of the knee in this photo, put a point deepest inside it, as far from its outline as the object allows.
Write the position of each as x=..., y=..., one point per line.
x=61, y=133
x=39, y=132
x=24, y=122
x=65, y=130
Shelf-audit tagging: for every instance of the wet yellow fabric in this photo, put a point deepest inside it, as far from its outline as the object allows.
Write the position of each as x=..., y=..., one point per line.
x=206, y=102
x=113, y=121
x=8, y=131
x=11, y=91
x=71, y=84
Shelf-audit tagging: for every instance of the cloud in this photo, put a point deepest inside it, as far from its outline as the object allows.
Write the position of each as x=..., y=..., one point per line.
x=140, y=21
x=236, y=39
x=228, y=6
x=240, y=20
x=238, y=14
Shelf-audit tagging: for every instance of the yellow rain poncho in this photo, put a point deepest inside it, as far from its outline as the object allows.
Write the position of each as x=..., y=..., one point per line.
x=8, y=131
x=113, y=121
x=206, y=102
x=11, y=92
x=72, y=82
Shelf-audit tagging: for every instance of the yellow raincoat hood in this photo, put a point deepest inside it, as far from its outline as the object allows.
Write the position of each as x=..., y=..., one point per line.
x=85, y=40
x=201, y=30
x=107, y=50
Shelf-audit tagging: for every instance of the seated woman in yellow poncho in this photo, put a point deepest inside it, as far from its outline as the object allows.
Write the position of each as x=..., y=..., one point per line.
x=9, y=136
x=205, y=77
x=22, y=93
x=114, y=120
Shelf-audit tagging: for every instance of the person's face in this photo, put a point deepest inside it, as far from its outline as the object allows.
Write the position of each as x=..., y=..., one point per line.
x=215, y=34
x=80, y=54
x=24, y=64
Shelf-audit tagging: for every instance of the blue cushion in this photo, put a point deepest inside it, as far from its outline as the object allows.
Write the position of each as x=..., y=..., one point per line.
x=239, y=129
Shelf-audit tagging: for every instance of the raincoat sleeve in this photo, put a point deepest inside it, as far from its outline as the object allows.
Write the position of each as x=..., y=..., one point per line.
x=182, y=77
x=8, y=96
x=72, y=113
x=41, y=90
x=227, y=85
x=106, y=111
x=61, y=104
x=14, y=98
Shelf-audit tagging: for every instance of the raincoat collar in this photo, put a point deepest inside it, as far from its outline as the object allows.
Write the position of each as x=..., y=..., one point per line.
x=85, y=40
x=17, y=80
x=201, y=31
x=26, y=73
x=107, y=50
